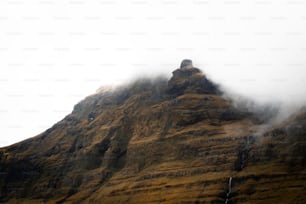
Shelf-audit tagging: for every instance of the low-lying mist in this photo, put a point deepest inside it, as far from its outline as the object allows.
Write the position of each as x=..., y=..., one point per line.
x=271, y=104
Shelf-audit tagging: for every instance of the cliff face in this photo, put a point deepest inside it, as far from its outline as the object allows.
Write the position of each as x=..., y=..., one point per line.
x=156, y=141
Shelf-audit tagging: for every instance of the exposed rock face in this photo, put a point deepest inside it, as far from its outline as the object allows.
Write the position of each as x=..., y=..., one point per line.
x=158, y=141
x=190, y=80
x=186, y=63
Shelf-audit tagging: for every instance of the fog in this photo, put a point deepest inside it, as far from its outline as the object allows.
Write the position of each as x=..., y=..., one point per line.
x=54, y=53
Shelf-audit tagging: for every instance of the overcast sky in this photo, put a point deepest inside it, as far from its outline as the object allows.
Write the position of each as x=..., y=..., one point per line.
x=54, y=53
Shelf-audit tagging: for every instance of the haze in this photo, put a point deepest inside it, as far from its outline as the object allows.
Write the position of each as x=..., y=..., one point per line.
x=54, y=53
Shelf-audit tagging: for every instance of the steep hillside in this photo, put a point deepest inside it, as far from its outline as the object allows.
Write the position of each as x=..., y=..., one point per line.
x=159, y=141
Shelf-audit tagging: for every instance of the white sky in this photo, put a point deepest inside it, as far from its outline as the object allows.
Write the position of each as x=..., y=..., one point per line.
x=54, y=53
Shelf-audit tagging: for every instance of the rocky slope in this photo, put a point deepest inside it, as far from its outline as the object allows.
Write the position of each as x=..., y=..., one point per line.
x=159, y=141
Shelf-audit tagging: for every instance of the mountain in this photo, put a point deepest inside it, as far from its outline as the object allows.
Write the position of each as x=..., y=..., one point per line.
x=159, y=141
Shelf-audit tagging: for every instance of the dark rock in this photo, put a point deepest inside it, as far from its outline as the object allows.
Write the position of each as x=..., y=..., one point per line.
x=190, y=80
x=186, y=63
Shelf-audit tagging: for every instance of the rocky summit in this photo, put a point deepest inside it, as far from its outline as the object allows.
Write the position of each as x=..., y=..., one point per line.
x=159, y=141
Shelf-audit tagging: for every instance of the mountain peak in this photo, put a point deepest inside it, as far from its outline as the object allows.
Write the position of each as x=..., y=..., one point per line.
x=186, y=63
x=189, y=79
x=178, y=139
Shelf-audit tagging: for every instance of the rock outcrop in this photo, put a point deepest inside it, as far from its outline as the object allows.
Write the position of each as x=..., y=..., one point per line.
x=186, y=64
x=191, y=80
x=158, y=141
